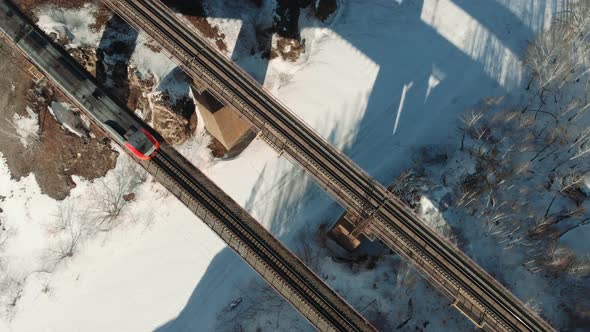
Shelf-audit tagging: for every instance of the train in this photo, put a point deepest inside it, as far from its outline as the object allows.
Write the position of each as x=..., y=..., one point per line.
x=75, y=82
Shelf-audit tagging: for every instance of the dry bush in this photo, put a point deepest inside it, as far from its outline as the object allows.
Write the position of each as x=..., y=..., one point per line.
x=4, y=236
x=580, y=267
x=11, y=290
x=310, y=255
x=109, y=197
x=66, y=247
x=261, y=304
x=497, y=138
x=541, y=228
x=558, y=259
x=380, y=319
x=548, y=57
x=68, y=213
x=309, y=248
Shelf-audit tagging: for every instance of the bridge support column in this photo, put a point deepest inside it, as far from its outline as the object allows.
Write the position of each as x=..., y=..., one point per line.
x=222, y=121
x=351, y=230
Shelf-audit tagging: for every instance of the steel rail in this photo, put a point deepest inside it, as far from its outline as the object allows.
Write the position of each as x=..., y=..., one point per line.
x=286, y=273
x=367, y=188
x=300, y=147
x=430, y=241
x=296, y=275
x=433, y=246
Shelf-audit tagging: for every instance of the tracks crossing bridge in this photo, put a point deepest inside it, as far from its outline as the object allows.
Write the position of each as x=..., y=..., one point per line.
x=286, y=273
x=488, y=304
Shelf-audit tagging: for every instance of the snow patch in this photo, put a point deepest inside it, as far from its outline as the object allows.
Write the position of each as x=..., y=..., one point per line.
x=430, y=214
x=149, y=62
x=73, y=24
x=586, y=184
x=577, y=240
x=62, y=112
x=27, y=127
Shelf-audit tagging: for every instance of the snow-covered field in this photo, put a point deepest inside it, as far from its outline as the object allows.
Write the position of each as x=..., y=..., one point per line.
x=378, y=80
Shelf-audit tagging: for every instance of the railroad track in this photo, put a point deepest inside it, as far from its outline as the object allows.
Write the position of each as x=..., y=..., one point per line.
x=288, y=275
x=474, y=292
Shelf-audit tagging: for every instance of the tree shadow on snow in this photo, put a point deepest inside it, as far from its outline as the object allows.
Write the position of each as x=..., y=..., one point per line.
x=413, y=101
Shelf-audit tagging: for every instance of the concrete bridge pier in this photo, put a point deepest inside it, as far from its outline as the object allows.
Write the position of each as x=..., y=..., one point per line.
x=222, y=121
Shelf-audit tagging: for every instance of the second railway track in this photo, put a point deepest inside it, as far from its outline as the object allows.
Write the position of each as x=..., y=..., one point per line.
x=458, y=277
x=288, y=275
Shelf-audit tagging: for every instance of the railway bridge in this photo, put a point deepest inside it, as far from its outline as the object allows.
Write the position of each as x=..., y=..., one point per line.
x=286, y=273
x=373, y=209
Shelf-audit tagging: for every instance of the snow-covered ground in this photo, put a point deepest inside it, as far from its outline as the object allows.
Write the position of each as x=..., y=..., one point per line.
x=377, y=80
x=73, y=24
x=26, y=127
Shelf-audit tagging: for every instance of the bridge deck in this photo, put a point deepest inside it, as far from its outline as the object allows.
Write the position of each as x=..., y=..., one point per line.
x=473, y=291
x=288, y=275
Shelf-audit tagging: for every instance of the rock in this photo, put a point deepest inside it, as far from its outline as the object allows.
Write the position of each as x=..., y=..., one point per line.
x=135, y=95
x=139, y=89
x=87, y=57
x=235, y=303
x=288, y=49
x=169, y=119
x=286, y=25
x=129, y=197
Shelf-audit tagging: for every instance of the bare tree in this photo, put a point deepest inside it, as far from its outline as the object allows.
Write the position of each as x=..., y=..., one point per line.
x=470, y=125
x=260, y=305
x=581, y=145
x=11, y=290
x=66, y=247
x=111, y=197
x=68, y=213
x=558, y=258
x=548, y=57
